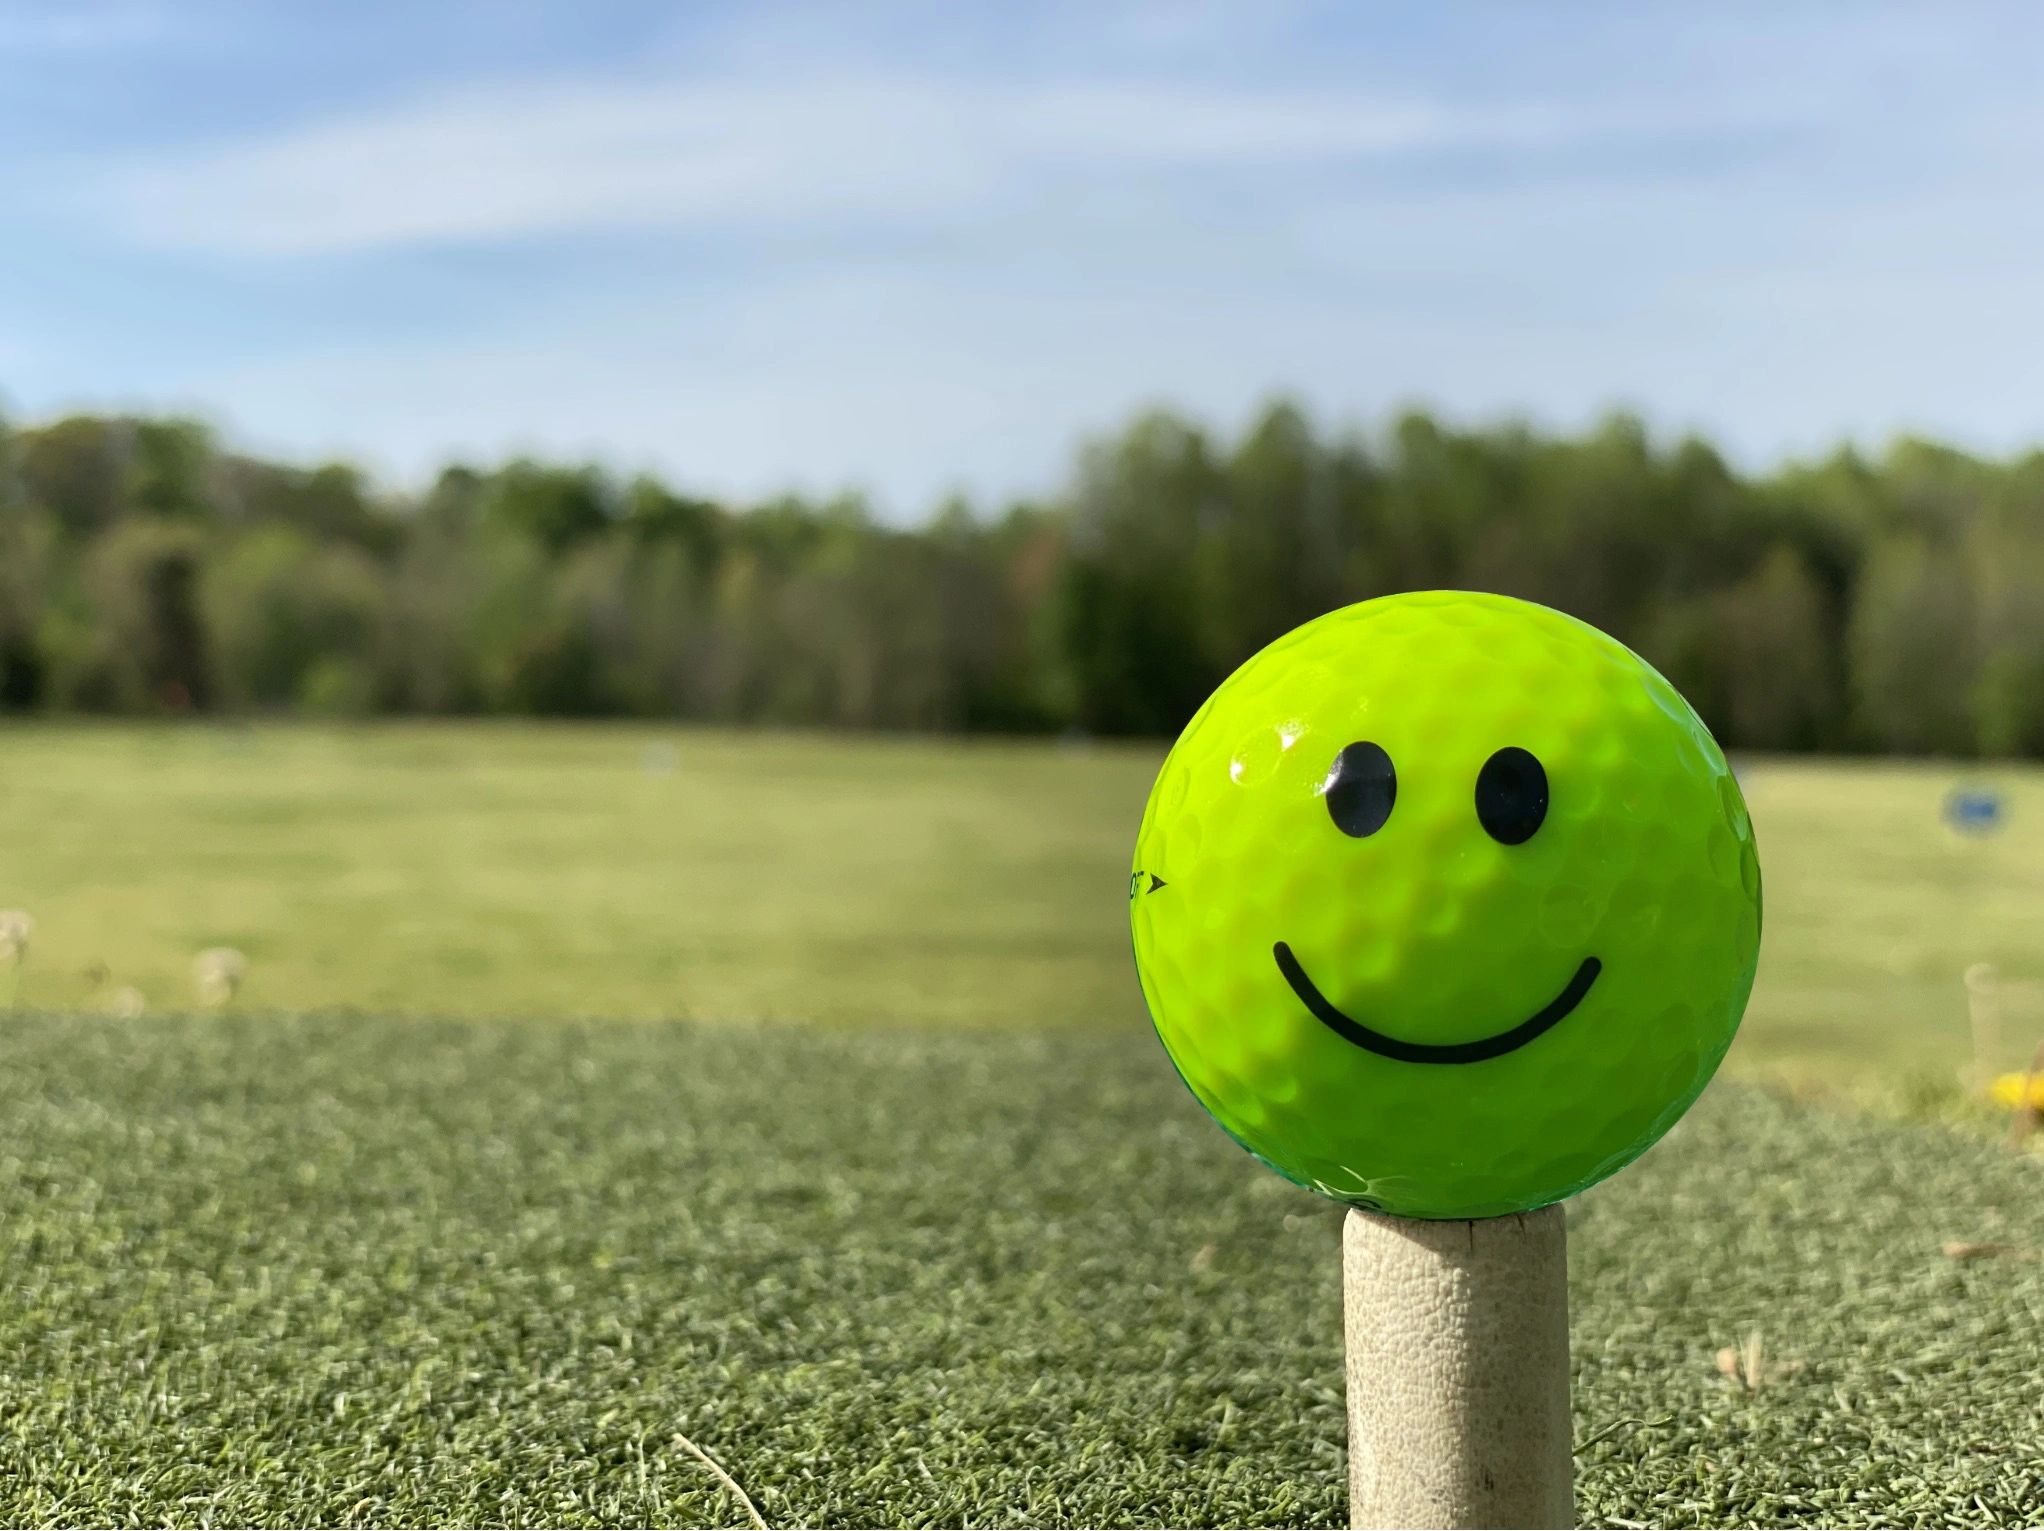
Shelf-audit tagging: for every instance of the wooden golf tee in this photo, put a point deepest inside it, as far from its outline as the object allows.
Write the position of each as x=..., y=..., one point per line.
x=1458, y=1388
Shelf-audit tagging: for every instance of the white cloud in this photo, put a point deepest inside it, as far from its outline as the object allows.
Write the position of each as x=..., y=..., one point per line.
x=540, y=158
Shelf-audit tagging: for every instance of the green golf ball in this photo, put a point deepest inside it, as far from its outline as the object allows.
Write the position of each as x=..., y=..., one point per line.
x=1446, y=905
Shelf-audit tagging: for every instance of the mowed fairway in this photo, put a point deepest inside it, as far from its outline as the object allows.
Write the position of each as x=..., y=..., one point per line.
x=793, y=1095
x=633, y=872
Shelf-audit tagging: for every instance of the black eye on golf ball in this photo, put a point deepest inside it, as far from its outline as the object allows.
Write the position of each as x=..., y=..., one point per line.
x=1511, y=795
x=1360, y=788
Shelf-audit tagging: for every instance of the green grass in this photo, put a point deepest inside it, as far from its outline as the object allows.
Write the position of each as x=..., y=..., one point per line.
x=964, y=1252
x=474, y=870
x=545, y=871
x=346, y=1270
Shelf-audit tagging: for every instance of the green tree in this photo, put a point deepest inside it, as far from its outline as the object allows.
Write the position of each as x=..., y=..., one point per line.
x=77, y=470
x=1778, y=647
x=128, y=635
x=292, y=621
x=1914, y=648
x=169, y=470
x=556, y=508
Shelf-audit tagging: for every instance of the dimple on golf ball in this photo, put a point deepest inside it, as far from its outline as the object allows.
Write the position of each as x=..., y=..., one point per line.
x=1446, y=905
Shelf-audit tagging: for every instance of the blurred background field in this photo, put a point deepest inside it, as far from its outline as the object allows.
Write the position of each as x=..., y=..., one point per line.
x=629, y=871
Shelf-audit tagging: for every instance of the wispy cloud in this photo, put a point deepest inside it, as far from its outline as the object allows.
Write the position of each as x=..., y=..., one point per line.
x=544, y=158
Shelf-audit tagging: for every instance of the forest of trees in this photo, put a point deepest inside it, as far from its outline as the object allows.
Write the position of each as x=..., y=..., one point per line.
x=1891, y=602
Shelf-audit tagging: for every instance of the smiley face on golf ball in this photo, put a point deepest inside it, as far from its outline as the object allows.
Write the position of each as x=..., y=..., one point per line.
x=1446, y=904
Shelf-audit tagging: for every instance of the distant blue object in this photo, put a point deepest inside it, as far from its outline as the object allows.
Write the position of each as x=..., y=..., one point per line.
x=1973, y=810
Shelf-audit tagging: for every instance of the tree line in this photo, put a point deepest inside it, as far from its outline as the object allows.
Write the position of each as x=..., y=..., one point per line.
x=1866, y=602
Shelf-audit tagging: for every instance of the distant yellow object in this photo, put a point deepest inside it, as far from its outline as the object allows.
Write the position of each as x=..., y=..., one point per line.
x=2007, y=1090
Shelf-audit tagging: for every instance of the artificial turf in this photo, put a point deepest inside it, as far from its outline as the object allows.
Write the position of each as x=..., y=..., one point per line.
x=277, y=1271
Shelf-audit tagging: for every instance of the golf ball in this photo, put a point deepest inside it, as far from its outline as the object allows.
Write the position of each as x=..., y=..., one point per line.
x=1446, y=905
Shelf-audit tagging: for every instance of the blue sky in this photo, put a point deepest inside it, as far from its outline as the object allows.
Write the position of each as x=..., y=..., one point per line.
x=911, y=248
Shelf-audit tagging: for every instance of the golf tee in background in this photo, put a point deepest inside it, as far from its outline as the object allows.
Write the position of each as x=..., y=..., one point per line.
x=1458, y=1379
